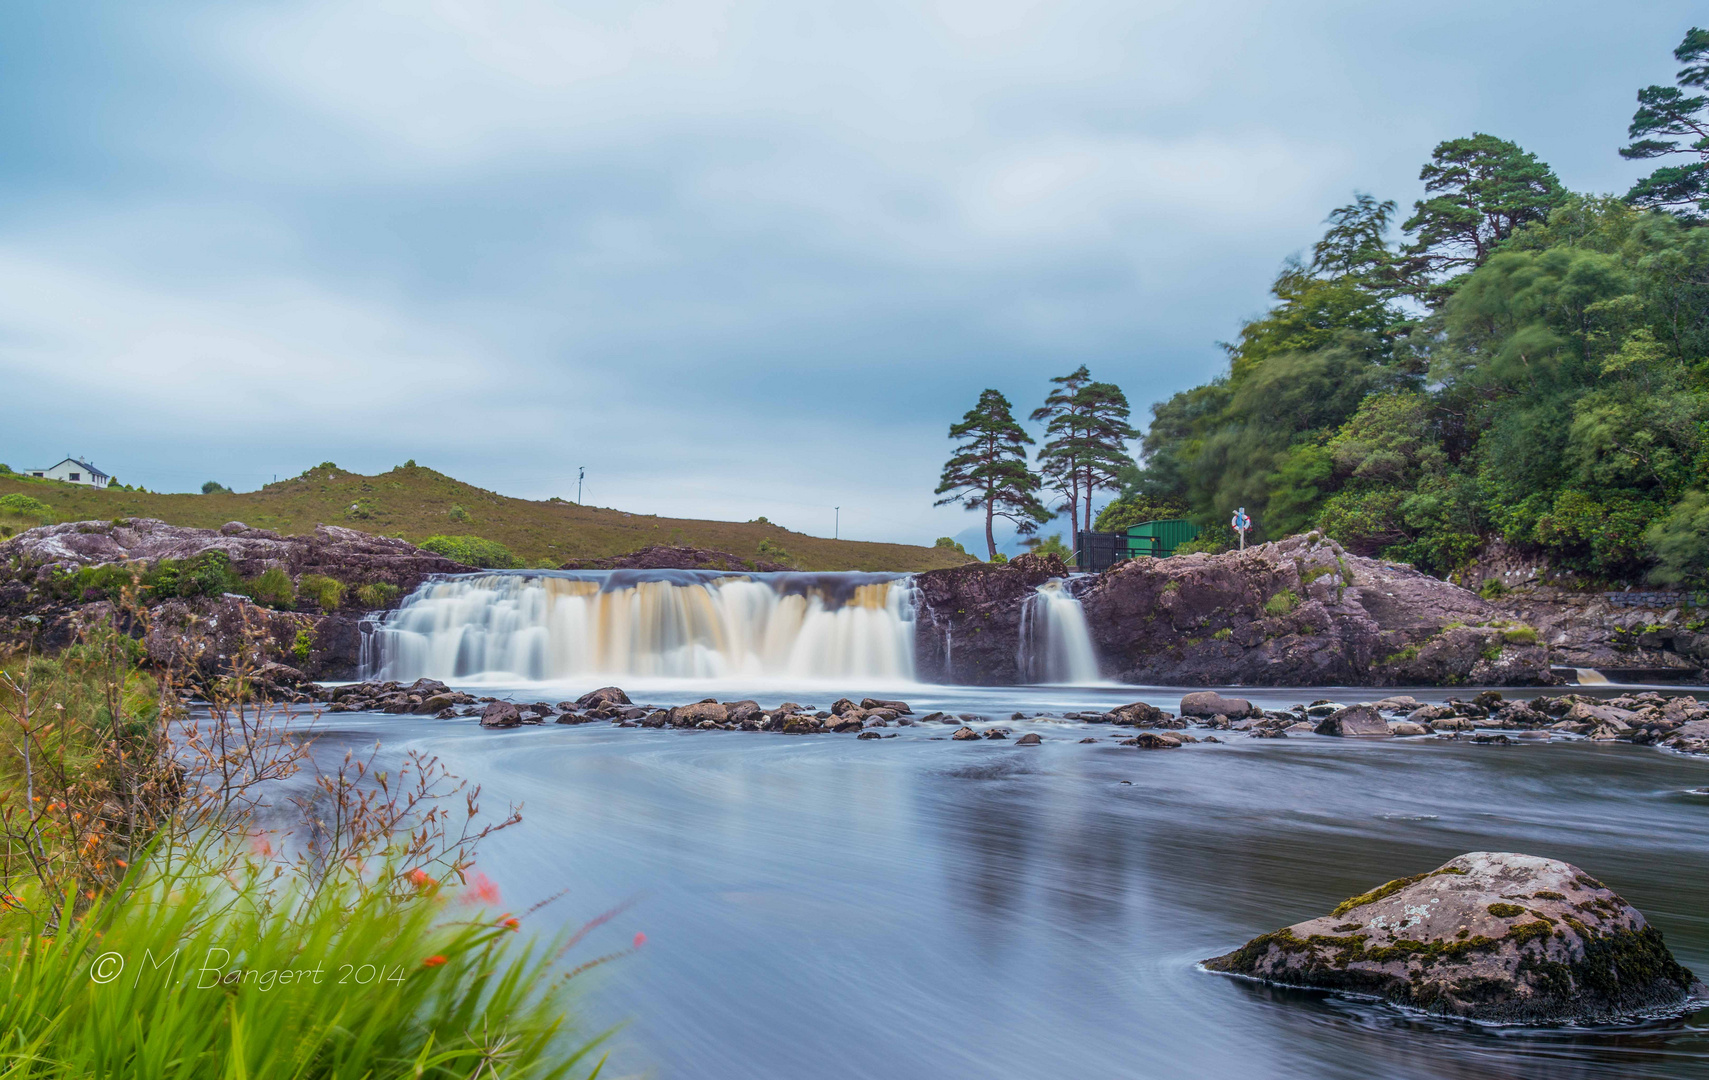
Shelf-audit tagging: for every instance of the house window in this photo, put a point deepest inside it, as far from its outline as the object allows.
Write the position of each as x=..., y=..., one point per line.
x=35, y=474
x=77, y=476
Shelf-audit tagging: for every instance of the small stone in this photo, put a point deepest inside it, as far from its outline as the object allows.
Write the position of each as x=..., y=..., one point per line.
x=1031, y=738
x=964, y=733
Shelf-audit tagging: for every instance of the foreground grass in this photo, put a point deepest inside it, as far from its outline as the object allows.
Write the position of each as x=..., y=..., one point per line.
x=187, y=977
x=415, y=503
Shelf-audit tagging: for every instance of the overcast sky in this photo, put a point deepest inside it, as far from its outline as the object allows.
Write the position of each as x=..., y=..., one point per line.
x=735, y=258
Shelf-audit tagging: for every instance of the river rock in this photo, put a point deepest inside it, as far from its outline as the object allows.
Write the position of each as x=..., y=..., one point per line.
x=1139, y=714
x=743, y=712
x=698, y=713
x=1031, y=738
x=1492, y=936
x=500, y=714
x=851, y=720
x=1152, y=740
x=962, y=734
x=1355, y=720
x=1404, y=729
x=899, y=707
x=605, y=695
x=1210, y=703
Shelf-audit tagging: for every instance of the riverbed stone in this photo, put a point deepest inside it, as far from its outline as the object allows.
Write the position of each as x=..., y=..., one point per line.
x=1403, y=729
x=1495, y=936
x=693, y=715
x=1031, y=738
x=962, y=734
x=1210, y=703
x=1139, y=714
x=898, y=707
x=1354, y=721
x=605, y=695
x=500, y=714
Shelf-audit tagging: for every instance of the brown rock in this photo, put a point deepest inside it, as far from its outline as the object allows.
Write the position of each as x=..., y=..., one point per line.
x=964, y=733
x=500, y=714
x=1210, y=703
x=1360, y=721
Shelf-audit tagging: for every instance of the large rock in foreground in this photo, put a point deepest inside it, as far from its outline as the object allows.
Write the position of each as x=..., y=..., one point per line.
x=1489, y=936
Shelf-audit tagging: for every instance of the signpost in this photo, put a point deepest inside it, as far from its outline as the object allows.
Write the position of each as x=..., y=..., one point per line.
x=1240, y=523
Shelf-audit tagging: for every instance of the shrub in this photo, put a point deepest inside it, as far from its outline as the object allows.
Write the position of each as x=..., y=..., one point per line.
x=1050, y=545
x=1519, y=635
x=326, y=592
x=214, y=487
x=377, y=594
x=473, y=551
x=208, y=574
x=775, y=553
x=273, y=588
x=303, y=645
x=950, y=543
x=24, y=506
x=999, y=559
x=1224, y=634
x=458, y=513
x=1491, y=588
x=1282, y=603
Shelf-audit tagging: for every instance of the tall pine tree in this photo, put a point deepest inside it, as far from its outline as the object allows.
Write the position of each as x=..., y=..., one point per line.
x=989, y=469
x=1670, y=111
x=1087, y=432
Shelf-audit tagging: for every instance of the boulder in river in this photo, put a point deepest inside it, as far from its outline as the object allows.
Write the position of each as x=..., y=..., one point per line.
x=605, y=695
x=1492, y=936
x=500, y=714
x=1211, y=703
x=899, y=707
x=1031, y=738
x=964, y=733
x=1360, y=721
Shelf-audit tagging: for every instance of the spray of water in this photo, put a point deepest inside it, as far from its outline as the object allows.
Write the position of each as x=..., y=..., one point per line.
x=1055, y=645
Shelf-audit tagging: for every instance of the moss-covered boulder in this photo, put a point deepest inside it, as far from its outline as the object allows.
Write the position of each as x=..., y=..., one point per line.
x=1489, y=936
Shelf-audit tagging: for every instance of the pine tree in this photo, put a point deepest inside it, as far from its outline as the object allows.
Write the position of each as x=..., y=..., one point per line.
x=1670, y=111
x=1088, y=427
x=1064, y=426
x=989, y=469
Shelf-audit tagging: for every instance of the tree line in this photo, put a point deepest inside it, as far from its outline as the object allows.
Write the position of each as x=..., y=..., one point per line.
x=1524, y=365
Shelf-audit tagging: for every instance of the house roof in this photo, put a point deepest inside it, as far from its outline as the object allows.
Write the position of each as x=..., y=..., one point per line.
x=90, y=469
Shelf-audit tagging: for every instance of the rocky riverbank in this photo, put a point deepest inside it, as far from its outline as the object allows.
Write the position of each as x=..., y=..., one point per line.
x=1300, y=611
x=49, y=594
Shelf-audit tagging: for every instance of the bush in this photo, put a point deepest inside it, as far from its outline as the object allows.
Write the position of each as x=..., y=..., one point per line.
x=775, y=553
x=273, y=588
x=376, y=595
x=303, y=645
x=24, y=506
x=1491, y=588
x=1282, y=603
x=999, y=559
x=326, y=592
x=1519, y=635
x=950, y=543
x=208, y=574
x=473, y=551
x=1051, y=545
x=214, y=487
x=458, y=513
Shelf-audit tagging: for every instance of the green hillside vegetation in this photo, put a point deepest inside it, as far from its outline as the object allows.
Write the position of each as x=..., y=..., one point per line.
x=421, y=505
x=1527, y=364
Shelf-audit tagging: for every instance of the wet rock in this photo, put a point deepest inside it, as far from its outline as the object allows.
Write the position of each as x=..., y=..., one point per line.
x=500, y=714
x=848, y=721
x=964, y=733
x=1269, y=733
x=1360, y=721
x=743, y=712
x=1031, y=738
x=1088, y=740
x=1452, y=723
x=1210, y=703
x=698, y=713
x=1399, y=703
x=997, y=733
x=605, y=695
x=842, y=705
x=1139, y=714
x=899, y=707
x=1403, y=729
x=1493, y=936
x=935, y=718
x=870, y=735
x=1153, y=740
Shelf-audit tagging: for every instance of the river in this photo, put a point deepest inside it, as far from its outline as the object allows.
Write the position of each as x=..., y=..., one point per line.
x=822, y=907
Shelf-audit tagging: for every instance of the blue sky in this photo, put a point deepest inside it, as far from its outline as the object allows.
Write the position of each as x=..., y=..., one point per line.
x=735, y=258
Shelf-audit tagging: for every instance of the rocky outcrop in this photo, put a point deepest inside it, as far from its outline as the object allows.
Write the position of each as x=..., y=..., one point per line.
x=205, y=636
x=1301, y=611
x=970, y=619
x=345, y=554
x=1489, y=936
x=669, y=557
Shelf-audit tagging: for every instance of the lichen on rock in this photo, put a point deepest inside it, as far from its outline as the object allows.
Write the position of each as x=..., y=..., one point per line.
x=1492, y=936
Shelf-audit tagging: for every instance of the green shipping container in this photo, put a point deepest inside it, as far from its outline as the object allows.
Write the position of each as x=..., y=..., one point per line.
x=1160, y=538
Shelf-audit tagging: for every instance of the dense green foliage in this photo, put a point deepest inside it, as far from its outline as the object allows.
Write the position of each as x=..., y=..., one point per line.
x=989, y=469
x=473, y=551
x=1531, y=366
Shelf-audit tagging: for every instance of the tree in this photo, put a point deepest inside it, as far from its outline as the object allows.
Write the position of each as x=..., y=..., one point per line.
x=1356, y=244
x=989, y=469
x=1063, y=421
x=1669, y=111
x=1485, y=189
x=1089, y=422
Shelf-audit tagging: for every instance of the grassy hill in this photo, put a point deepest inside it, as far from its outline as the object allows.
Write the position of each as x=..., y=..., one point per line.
x=415, y=503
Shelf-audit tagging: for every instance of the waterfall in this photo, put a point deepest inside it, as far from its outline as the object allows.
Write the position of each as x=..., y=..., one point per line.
x=688, y=624
x=1591, y=677
x=1055, y=645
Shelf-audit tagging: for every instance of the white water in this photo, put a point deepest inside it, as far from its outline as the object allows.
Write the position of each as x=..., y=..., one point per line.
x=652, y=624
x=1056, y=646
x=1591, y=677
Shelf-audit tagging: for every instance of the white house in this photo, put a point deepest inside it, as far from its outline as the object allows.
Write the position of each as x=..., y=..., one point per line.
x=73, y=471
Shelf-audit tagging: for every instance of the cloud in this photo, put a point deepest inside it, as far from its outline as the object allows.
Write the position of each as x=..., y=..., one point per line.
x=737, y=258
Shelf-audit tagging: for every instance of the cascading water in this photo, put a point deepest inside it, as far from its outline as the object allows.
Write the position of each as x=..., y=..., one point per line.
x=689, y=624
x=1056, y=646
